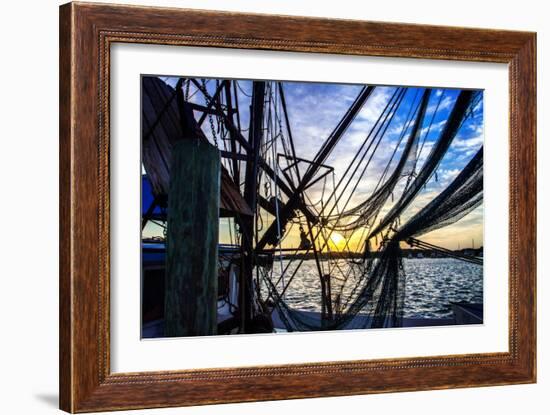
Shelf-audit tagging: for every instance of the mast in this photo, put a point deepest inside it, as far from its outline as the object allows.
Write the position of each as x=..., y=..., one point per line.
x=324, y=279
x=233, y=139
x=250, y=196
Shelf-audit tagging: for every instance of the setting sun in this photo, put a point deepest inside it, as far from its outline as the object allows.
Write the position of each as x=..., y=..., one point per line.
x=338, y=240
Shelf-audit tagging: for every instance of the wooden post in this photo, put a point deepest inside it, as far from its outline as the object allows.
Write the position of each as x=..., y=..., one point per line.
x=191, y=287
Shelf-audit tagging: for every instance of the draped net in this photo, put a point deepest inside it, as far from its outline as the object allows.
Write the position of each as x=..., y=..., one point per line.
x=377, y=297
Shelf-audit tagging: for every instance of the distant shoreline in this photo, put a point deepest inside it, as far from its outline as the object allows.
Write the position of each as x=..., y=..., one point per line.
x=288, y=253
x=406, y=253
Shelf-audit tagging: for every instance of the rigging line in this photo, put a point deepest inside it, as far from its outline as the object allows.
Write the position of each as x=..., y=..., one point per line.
x=288, y=128
x=187, y=87
x=429, y=127
x=233, y=141
x=283, y=110
x=242, y=90
x=273, y=293
x=339, y=127
x=468, y=109
x=392, y=101
x=293, y=150
x=277, y=196
x=414, y=134
x=464, y=192
x=368, y=162
x=409, y=179
x=333, y=191
x=237, y=112
x=363, y=231
x=385, y=126
x=319, y=266
x=323, y=231
x=319, y=159
x=438, y=151
x=406, y=125
x=352, y=294
x=171, y=117
x=337, y=265
x=220, y=111
x=405, y=128
x=376, y=127
x=229, y=164
x=339, y=130
x=311, y=204
x=230, y=232
x=370, y=158
x=196, y=90
x=164, y=109
x=317, y=235
x=363, y=221
x=460, y=256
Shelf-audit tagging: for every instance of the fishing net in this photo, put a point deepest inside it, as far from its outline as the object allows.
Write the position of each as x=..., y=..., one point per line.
x=374, y=294
x=434, y=158
x=367, y=209
x=378, y=297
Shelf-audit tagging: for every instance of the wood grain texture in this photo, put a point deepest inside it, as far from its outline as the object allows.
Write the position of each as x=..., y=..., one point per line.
x=191, y=293
x=65, y=247
x=86, y=33
x=161, y=128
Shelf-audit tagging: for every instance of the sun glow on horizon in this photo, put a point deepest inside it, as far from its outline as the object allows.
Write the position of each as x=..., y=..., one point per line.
x=338, y=241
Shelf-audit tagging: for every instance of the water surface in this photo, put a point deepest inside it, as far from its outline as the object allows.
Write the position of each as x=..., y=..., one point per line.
x=431, y=284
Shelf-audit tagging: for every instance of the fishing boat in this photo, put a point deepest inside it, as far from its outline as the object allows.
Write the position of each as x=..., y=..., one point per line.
x=153, y=260
x=199, y=157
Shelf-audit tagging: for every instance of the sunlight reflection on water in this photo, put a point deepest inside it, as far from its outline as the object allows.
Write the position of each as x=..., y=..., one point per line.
x=432, y=283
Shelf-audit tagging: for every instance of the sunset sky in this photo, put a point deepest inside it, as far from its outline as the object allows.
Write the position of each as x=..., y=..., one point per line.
x=315, y=109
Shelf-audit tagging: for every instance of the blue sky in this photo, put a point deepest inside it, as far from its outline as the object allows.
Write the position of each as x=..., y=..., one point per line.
x=315, y=109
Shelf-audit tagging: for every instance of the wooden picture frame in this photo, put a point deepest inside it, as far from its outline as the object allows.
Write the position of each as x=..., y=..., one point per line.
x=86, y=33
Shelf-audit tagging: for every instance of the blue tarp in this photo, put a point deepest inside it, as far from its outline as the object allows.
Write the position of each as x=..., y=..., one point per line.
x=147, y=198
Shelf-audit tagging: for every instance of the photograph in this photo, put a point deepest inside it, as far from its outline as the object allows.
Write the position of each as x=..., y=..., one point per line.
x=266, y=203
x=275, y=206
